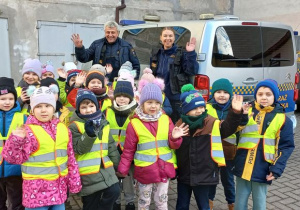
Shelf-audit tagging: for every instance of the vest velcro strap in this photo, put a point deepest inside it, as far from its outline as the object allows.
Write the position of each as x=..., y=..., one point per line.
x=152, y=145
x=250, y=129
x=33, y=170
x=270, y=142
x=91, y=162
x=216, y=153
x=216, y=139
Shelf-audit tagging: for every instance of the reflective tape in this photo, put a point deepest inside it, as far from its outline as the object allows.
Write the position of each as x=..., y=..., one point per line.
x=90, y=162
x=152, y=145
x=248, y=139
x=270, y=142
x=96, y=147
x=152, y=158
x=32, y=170
x=250, y=128
x=231, y=140
x=218, y=153
x=114, y=131
x=106, y=159
x=49, y=156
x=269, y=156
x=216, y=139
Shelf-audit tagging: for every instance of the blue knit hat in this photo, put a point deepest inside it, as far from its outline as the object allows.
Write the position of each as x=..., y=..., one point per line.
x=85, y=94
x=124, y=88
x=222, y=84
x=270, y=83
x=190, y=98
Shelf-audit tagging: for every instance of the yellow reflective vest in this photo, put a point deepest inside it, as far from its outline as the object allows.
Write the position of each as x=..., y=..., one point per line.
x=217, y=153
x=25, y=105
x=89, y=163
x=213, y=112
x=151, y=148
x=17, y=120
x=250, y=136
x=50, y=161
x=118, y=133
x=106, y=103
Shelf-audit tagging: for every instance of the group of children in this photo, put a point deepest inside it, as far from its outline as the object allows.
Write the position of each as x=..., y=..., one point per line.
x=72, y=135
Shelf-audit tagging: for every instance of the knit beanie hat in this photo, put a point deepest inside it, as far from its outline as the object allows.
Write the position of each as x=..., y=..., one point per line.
x=47, y=82
x=222, y=84
x=126, y=77
x=68, y=66
x=42, y=95
x=270, y=83
x=190, y=98
x=99, y=68
x=151, y=90
x=72, y=73
x=32, y=65
x=124, y=88
x=47, y=68
x=127, y=67
x=94, y=75
x=85, y=94
x=7, y=85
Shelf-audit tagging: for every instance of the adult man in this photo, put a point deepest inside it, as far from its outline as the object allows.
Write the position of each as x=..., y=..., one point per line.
x=108, y=50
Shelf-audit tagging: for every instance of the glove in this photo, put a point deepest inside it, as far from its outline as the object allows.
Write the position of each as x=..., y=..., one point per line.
x=89, y=128
x=97, y=122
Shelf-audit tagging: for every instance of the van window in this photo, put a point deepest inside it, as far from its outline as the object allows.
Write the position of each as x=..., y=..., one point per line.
x=144, y=40
x=242, y=46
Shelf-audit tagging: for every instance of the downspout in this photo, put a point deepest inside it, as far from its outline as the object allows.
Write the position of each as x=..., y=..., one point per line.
x=122, y=6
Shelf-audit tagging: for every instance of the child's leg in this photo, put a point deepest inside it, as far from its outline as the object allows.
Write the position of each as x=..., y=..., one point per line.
x=54, y=207
x=144, y=192
x=201, y=196
x=14, y=192
x=243, y=190
x=259, y=195
x=128, y=188
x=184, y=193
x=3, y=194
x=227, y=180
x=160, y=195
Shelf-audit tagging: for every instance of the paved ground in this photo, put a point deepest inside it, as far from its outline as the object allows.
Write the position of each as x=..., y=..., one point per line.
x=283, y=194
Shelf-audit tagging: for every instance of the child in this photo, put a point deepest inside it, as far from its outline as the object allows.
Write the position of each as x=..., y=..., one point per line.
x=201, y=153
x=150, y=138
x=44, y=148
x=264, y=147
x=95, y=153
x=218, y=107
x=10, y=118
x=31, y=74
x=118, y=117
x=47, y=71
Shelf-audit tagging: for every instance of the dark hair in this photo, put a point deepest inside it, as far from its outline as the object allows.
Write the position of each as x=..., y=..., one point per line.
x=86, y=102
x=168, y=28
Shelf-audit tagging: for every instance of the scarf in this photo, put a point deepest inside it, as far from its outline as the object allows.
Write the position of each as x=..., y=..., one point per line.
x=194, y=121
x=222, y=108
x=146, y=117
x=124, y=110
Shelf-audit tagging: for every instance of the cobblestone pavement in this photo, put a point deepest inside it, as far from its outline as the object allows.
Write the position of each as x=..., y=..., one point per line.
x=283, y=194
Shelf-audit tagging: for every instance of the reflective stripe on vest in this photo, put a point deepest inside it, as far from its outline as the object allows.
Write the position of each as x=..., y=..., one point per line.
x=217, y=153
x=150, y=147
x=50, y=161
x=213, y=112
x=90, y=163
x=17, y=120
x=118, y=133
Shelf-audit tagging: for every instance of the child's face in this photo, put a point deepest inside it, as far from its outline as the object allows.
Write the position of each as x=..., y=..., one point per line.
x=43, y=112
x=30, y=78
x=72, y=81
x=196, y=112
x=95, y=84
x=122, y=100
x=264, y=96
x=151, y=107
x=7, y=102
x=47, y=74
x=221, y=96
x=87, y=108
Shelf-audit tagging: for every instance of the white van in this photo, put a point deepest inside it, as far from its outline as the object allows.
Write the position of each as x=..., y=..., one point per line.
x=245, y=52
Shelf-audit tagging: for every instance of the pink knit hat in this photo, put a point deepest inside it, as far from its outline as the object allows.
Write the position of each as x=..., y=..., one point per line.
x=32, y=65
x=147, y=75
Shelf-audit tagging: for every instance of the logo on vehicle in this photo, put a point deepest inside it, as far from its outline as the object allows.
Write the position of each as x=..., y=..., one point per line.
x=288, y=76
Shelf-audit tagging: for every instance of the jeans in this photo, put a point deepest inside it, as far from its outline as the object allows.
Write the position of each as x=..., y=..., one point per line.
x=227, y=180
x=11, y=191
x=243, y=191
x=177, y=110
x=184, y=192
x=103, y=199
x=54, y=207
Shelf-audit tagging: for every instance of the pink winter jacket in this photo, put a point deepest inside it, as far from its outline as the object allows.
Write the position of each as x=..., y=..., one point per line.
x=160, y=171
x=38, y=193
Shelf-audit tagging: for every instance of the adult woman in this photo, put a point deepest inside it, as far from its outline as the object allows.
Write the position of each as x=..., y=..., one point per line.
x=174, y=65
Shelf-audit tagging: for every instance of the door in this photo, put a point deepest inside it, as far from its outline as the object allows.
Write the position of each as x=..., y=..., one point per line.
x=4, y=49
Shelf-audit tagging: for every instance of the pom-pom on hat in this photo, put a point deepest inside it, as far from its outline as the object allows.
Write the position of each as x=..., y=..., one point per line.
x=98, y=67
x=94, y=75
x=7, y=85
x=190, y=98
x=151, y=90
x=32, y=65
x=71, y=74
x=52, y=84
x=124, y=88
x=42, y=95
x=85, y=94
x=148, y=75
x=222, y=84
x=270, y=83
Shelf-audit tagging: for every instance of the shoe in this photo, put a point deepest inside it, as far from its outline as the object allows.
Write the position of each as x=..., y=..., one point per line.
x=130, y=206
x=231, y=206
x=68, y=205
x=211, y=204
x=117, y=206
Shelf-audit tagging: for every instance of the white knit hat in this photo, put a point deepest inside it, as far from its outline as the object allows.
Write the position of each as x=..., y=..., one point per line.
x=42, y=95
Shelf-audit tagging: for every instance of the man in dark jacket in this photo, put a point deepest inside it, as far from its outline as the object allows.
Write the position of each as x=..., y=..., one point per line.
x=108, y=50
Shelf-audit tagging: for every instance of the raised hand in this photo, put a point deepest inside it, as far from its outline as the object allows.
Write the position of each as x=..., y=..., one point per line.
x=182, y=130
x=237, y=102
x=19, y=131
x=61, y=73
x=246, y=108
x=108, y=68
x=190, y=46
x=80, y=79
x=76, y=40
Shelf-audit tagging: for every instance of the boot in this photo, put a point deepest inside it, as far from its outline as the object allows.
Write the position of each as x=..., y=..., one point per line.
x=117, y=206
x=211, y=204
x=231, y=206
x=130, y=206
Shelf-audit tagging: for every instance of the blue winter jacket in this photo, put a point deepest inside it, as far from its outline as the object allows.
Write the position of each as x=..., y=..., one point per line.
x=285, y=147
x=7, y=169
x=116, y=54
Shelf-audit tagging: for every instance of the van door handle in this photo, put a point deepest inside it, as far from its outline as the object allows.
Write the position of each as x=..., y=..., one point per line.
x=248, y=82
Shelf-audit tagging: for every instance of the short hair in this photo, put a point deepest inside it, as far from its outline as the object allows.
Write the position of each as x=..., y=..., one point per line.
x=86, y=102
x=168, y=28
x=111, y=24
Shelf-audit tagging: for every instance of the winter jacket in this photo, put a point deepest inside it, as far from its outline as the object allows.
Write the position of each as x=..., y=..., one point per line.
x=7, y=169
x=116, y=54
x=167, y=107
x=160, y=171
x=285, y=147
x=165, y=64
x=39, y=192
x=195, y=165
x=82, y=143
